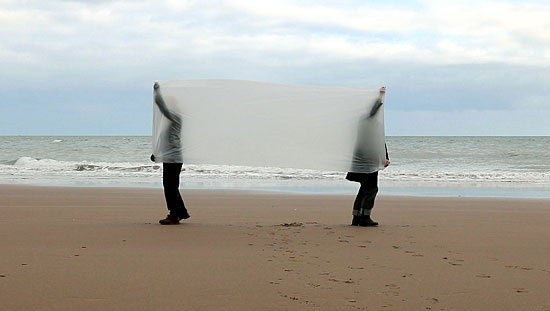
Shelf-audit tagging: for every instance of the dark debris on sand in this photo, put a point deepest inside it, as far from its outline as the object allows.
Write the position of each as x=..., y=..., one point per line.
x=292, y=224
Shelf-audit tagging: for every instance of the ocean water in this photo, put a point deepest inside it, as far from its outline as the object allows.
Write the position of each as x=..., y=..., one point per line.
x=434, y=166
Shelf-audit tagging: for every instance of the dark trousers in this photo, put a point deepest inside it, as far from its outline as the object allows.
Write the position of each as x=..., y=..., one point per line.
x=171, y=182
x=364, y=202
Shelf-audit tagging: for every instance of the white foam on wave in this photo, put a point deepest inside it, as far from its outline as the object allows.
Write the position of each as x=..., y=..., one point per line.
x=50, y=165
x=429, y=176
x=28, y=162
x=137, y=172
x=250, y=172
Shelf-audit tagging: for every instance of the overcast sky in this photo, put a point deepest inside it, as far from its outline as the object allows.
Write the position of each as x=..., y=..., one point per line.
x=451, y=67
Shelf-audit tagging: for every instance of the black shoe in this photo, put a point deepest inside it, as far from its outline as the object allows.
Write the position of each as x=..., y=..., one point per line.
x=184, y=215
x=366, y=221
x=170, y=220
x=355, y=221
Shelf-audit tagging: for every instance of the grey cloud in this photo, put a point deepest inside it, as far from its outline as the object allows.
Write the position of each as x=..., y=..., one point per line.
x=119, y=57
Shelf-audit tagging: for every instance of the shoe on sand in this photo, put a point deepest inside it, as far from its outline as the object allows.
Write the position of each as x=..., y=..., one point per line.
x=170, y=220
x=184, y=215
x=366, y=221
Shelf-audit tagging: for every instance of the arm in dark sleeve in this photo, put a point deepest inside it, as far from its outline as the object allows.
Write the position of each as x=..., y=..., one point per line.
x=164, y=109
x=375, y=108
x=387, y=156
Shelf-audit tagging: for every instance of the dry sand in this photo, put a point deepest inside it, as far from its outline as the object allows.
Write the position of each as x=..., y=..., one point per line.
x=102, y=249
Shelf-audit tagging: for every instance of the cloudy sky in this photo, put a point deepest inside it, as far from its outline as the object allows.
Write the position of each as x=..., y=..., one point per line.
x=452, y=67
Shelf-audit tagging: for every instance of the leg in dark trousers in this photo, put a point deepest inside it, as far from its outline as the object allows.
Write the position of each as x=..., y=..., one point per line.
x=171, y=182
x=364, y=202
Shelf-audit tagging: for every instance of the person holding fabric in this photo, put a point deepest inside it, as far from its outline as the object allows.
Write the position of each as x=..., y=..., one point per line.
x=172, y=161
x=363, y=158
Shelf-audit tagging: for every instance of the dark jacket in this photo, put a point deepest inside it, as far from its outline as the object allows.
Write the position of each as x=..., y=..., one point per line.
x=363, y=177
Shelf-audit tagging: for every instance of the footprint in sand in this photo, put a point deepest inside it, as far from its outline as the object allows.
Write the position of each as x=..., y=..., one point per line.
x=414, y=254
x=454, y=262
x=348, y=281
x=520, y=290
x=367, y=242
x=519, y=267
x=352, y=302
x=291, y=224
x=393, y=290
x=299, y=300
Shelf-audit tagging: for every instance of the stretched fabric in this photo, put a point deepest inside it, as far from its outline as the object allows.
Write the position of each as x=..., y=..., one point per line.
x=228, y=122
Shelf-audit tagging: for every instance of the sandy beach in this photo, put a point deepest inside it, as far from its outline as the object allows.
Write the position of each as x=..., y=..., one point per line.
x=103, y=249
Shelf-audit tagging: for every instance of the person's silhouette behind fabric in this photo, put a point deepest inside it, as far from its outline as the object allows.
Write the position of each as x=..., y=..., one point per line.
x=172, y=162
x=364, y=158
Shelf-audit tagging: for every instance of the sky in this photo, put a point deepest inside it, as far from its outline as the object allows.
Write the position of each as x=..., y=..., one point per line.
x=76, y=67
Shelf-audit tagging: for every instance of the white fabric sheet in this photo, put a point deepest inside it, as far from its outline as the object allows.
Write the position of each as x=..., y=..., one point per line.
x=229, y=122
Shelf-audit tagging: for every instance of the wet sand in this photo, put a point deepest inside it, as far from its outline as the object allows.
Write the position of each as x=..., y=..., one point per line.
x=103, y=249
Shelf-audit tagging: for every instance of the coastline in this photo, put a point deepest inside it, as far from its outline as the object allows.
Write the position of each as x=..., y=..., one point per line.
x=421, y=166
x=321, y=188
x=92, y=247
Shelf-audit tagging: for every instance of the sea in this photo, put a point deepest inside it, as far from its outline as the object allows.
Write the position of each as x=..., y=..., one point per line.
x=420, y=166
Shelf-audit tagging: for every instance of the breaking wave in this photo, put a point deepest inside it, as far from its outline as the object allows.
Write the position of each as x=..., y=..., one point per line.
x=29, y=166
